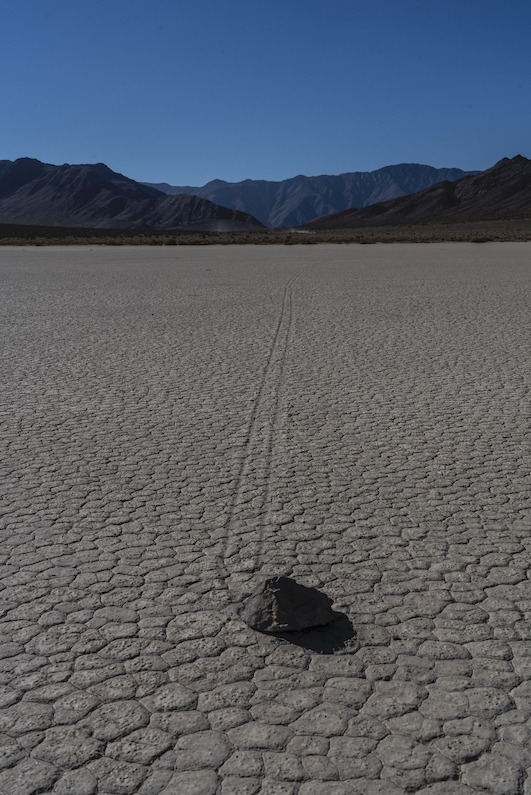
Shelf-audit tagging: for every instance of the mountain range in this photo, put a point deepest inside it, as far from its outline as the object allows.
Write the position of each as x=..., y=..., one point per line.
x=37, y=193
x=295, y=201
x=501, y=192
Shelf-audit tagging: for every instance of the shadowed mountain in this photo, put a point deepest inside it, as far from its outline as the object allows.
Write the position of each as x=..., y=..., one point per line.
x=501, y=192
x=37, y=193
x=295, y=201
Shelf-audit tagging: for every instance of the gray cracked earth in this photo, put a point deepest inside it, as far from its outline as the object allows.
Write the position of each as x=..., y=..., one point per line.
x=179, y=423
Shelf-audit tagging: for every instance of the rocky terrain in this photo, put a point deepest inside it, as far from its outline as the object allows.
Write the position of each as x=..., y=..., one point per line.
x=295, y=201
x=35, y=193
x=500, y=192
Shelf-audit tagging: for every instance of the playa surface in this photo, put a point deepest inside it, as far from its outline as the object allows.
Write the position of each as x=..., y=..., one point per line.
x=178, y=424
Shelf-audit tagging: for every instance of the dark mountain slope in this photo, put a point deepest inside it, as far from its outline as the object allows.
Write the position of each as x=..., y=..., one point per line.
x=503, y=191
x=295, y=201
x=37, y=193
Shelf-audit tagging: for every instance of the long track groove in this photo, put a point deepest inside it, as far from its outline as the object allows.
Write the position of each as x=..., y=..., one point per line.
x=269, y=387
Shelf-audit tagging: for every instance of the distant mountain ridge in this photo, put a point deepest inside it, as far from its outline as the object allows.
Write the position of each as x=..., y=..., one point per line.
x=295, y=201
x=501, y=192
x=94, y=196
x=40, y=194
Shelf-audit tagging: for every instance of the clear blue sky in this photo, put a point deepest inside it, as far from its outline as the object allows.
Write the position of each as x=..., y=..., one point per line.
x=185, y=91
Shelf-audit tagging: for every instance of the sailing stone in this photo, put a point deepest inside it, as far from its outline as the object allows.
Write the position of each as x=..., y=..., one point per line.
x=280, y=604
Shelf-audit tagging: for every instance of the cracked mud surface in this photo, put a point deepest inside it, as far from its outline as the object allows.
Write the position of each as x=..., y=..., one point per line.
x=178, y=424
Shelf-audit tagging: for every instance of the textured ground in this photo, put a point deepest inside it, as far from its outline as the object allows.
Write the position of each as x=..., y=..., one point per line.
x=177, y=423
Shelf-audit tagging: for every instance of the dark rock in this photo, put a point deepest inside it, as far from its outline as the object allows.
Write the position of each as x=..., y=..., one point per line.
x=282, y=605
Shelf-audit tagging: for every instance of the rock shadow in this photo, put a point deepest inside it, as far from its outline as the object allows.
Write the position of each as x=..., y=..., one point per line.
x=334, y=637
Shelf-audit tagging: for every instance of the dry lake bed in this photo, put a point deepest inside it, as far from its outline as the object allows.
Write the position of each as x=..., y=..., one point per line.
x=177, y=424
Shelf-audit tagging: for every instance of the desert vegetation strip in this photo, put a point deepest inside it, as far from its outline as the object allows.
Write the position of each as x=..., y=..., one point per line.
x=475, y=232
